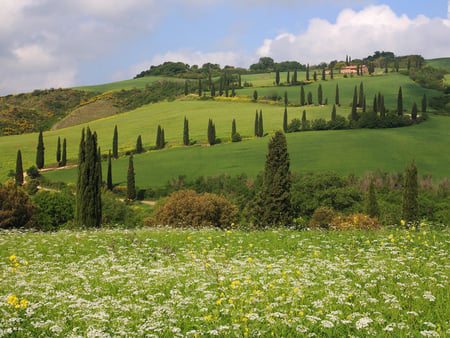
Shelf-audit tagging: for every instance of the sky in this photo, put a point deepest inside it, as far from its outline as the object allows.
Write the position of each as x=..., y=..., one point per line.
x=65, y=43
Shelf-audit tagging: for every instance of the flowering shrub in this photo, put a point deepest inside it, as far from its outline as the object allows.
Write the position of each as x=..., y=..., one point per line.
x=187, y=208
x=354, y=222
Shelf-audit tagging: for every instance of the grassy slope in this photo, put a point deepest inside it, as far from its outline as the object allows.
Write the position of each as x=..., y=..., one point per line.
x=348, y=151
x=126, y=84
x=223, y=158
x=440, y=63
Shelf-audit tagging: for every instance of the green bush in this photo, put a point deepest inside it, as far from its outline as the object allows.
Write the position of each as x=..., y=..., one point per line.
x=187, y=208
x=54, y=209
x=236, y=137
x=116, y=213
x=322, y=218
x=16, y=208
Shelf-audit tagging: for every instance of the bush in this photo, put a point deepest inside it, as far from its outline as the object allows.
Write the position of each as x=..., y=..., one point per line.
x=117, y=213
x=322, y=218
x=54, y=209
x=187, y=208
x=33, y=172
x=354, y=222
x=236, y=137
x=16, y=208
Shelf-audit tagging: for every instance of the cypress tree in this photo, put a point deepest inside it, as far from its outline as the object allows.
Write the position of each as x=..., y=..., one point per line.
x=277, y=77
x=211, y=133
x=400, y=102
x=260, y=125
x=304, y=121
x=233, y=92
x=424, y=103
x=109, y=182
x=115, y=145
x=375, y=104
x=58, y=151
x=273, y=206
x=186, y=132
x=310, y=99
x=382, y=107
x=199, y=87
x=414, y=112
x=337, y=95
x=233, y=127
x=19, y=169
x=323, y=74
x=131, y=186
x=364, y=104
x=285, y=120
x=40, y=152
x=354, y=113
x=361, y=95
x=256, y=124
x=294, y=77
x=379, y=102
x=315, y=76
x=371, y=206
x=64, y=153
x=333, y=113
x=139, y=148
x=331, y=73
x=319, y=94
x=213, y=90
x=288, y=80
x=285, y=98
x=240, y=81
x=89, y=206
x=186, y=88
x=302, y=95
x=163, y=138
x=410, y=204
x=255, y=95
x=307, y=72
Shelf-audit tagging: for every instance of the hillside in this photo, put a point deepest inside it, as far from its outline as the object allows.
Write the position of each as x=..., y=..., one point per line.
x=440, y=63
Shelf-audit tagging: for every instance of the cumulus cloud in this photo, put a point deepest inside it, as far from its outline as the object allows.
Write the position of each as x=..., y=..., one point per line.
x=360, y=34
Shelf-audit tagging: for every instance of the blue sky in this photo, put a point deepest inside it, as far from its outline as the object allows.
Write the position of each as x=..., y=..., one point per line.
x=62, y=43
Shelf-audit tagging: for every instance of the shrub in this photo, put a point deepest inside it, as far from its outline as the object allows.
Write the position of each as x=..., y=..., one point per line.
x=354, y=222
x=117, y=213
x=187, y=208
x=236, y=137
x=16, y=208
x=33, y=172
x=54, y=209
x=321, y=218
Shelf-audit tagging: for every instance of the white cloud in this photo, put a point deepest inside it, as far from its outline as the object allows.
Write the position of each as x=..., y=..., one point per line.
x=360, y=34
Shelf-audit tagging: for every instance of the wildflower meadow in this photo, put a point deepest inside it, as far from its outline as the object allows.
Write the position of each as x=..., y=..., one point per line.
x=202, y=283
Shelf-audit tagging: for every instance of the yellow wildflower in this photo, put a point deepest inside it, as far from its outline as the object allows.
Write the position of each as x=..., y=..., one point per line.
x=250, y=259
x=23, y=303
x=12, y=300
x=13, y=258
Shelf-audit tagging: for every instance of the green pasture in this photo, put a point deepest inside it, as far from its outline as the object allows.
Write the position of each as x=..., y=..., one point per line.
x=126, y=84
x=145, y=120
x=387, y=84
x=345, y=152
x=439, y=63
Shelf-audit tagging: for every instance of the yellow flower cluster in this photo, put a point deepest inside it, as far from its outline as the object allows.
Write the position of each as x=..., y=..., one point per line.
x=15, y=266
x=16, y=303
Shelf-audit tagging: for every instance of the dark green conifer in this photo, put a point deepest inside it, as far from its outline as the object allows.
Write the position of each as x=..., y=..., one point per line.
x=375, y=104
x=424, y=103
x=211, y=133
x=255, y=95
x=285, y=98
x=307, y=72
x=273, y=206
x=410, y=206
x=400, y=102
x=285, y=120
x=186, y=132
x=302, y=96
x=294, y=77
x=315, y=76
x=323, y=74
x=337, y=95
x=200, y=87
x=213, y=90
x=331, y=73
x=361, y=95
x=305, y=124
x=333, y=113
x=115, y=145
x=382, y=107
x=19, y=169
x=139, y=148
x=89, y=206
x=310, y=98
x=319, y=94
x=58, y=150
x=354, y=113
x=288, y=80
x=131, y=186
x=414, y=112
x=277, y=77
x=40, y=152
x=186, y=88
x=233, y=128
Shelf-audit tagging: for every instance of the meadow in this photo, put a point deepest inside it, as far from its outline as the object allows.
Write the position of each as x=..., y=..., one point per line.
x=344, y=152
x=202, y=283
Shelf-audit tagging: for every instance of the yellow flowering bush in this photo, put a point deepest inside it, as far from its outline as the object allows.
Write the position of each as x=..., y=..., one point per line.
x=354, y=222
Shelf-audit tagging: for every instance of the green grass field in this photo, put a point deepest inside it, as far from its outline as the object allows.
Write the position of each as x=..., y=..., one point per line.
x=126, y=84
x=440, y=63
x=163, y=282
x=346, y=152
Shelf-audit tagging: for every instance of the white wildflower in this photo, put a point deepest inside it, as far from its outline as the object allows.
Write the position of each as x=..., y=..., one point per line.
x=363, y=322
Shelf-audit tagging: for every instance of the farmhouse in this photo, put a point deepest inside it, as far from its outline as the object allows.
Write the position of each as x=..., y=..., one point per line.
x=354, y=69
